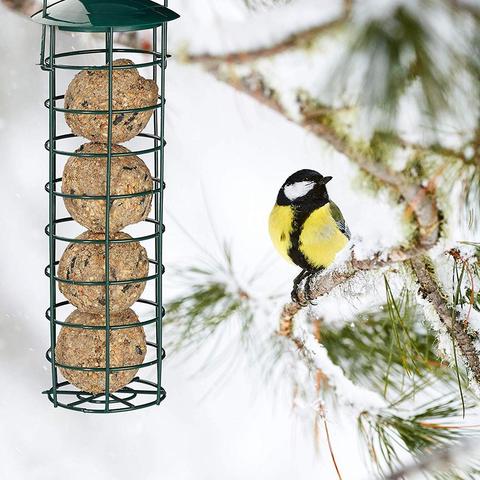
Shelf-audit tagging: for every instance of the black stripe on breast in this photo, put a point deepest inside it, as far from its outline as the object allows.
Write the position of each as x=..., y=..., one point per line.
x=301, y=213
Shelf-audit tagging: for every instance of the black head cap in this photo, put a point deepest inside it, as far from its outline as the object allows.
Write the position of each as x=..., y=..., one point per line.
x=306, y=175
x=304, y=187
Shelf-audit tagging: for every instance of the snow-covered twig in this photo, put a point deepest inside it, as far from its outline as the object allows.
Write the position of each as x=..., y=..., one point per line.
x=346, y=391
x=295, y=40
x=458, y=328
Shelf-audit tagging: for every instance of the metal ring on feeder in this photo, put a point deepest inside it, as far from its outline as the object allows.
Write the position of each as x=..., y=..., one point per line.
x=155, y=148
x=132, y=239
x=93, y=399
x=99, y=112
x=101, y=327
x=156, y=55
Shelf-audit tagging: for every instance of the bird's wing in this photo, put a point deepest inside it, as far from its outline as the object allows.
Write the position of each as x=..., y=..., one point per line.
x=339, y=220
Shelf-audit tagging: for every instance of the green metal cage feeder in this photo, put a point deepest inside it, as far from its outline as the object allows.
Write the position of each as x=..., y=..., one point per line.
x=106, y=17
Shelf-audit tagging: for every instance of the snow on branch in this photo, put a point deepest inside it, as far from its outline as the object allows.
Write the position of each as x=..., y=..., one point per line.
x=457, y=325
x=311, y=350
x=298, y=39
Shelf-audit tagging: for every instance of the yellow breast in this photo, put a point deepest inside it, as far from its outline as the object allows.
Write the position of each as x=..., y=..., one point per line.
x=280, y=228
x=320, y=239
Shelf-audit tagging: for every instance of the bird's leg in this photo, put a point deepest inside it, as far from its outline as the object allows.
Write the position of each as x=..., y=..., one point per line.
x=296, y=282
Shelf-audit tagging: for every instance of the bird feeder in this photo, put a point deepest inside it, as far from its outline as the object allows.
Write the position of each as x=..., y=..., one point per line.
x=105, y=356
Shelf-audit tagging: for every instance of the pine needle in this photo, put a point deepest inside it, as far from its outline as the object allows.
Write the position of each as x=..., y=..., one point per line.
x=388, y=349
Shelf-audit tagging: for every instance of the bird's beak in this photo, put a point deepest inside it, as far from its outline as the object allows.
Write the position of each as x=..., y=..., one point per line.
x=325, y=180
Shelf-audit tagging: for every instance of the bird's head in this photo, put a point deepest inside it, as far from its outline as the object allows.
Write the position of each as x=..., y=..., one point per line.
x=304, y=186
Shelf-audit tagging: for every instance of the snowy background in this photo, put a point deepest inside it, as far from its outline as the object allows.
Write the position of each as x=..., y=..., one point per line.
x=225, y=160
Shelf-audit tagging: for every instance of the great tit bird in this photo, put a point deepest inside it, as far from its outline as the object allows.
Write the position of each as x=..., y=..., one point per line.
x=306, y=227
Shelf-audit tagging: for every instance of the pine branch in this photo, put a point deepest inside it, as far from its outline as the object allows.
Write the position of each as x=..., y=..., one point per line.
x=388, y=349
x=416, y=430
x=315, y=357
x=212, y=296
x=386, y=427
x=296, y=40
x=458, y=328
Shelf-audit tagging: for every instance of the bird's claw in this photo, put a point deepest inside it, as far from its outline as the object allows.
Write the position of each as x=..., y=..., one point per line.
x=296, y=297
x=307, y=291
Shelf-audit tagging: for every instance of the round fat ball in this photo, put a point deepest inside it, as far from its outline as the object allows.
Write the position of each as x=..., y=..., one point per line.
x=87, y=176
x=80, y=347
x=89, y=91
x=85, y=262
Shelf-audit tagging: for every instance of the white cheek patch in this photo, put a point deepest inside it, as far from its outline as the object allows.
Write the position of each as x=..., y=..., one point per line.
x=297, y=190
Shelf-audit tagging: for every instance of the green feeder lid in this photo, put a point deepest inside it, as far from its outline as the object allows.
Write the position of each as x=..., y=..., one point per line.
x=101, y=15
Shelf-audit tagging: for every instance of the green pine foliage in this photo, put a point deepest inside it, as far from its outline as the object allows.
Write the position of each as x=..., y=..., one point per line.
x=407, y=46
x=387, y=349
x=415, y=431
x=213, y=297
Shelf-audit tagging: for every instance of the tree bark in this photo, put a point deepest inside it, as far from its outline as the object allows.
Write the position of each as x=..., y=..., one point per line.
x=457, y=327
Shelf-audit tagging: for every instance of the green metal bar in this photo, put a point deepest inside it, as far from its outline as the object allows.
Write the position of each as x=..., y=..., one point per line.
x=102, y=327
x=42, y=46
x=156, y=55
x=101, y=283
x=101, y=242
x=103, y=369
x=100, y=155
x=160, y=268
x=162, y=173
x=102, y=411
x=109, y=40
x=100, y=112
x=125, y=402
x=158, y=256
x=84, y=400
x=44, y=33
x=52, y=216
x=131, y=395
x=145, y=193
x=96, y=400
x=107, y=57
